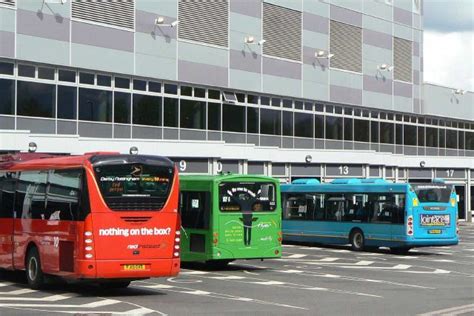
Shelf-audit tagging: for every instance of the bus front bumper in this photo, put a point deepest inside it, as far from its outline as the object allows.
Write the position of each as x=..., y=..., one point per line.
x=127, y=269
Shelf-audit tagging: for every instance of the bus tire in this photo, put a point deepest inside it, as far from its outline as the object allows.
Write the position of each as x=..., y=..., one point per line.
x=114, y=284
x=34, y=274
x=357, y=240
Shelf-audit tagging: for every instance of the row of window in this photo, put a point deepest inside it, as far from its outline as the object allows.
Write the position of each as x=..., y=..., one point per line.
x=48, y=194
x=39, y=100
x=345, y=207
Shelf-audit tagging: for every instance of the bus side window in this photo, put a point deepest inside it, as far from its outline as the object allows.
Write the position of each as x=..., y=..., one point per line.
x=63, y=194
x=398, y=211
x=195, y=209
x=7, y=194
x=30, y=194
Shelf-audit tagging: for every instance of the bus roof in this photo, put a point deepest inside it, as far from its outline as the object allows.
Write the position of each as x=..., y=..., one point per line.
x=346, y=185
x=225, y=177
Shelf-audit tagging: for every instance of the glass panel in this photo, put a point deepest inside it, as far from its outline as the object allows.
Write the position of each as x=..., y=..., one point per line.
x=214, y=94
x=67, y=75
x=6, y=68
x=270, y=122
x=247, y=197
x=308, y=106
x=421, y=136
x=319, y=107
x=122, y=110
x=105, y=81
x=299, y=105
x=387, y=133
x=319, y=126
x=214, y=116
x=171, y=112
x=264, y=100
x=123, y=83
x=36, y=99
x=233, y=117
x=95, y=105
x=194, y=209
x=193, y=114
x=7, y=91
x=146, y=110
x=86, y=78
x=253, y=99
x=154, y=86
x=67, y=102
x=187, y=91
x=276, y=102
x=287, y=123
x=374, y=132
x=252, y=120
x=287, y=103
x=361, y=131
x=171, y=88
x=442, y=138
x=433, y=192
x=431, y=137
x=26, y=71
x=240, y=97
x=139, y=85
x=46, y=73
x=338, y=110
x=63, y=194
x=451, y=139
x=348, y=128
x=303, y=125
x=409, y=134
x=461, y=139
x=333, y=127
x=470, y=144
x=399, y=134
x=199, y=93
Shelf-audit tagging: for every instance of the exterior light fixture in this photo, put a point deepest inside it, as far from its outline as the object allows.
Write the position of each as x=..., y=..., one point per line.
x=422, y=164
x=385, y=67
x=459, y=91
x=249, y=40
x=160, y=21
x=261, y=42
x=323, y=54
x=133, y=150
x=32, y=147
x=308, y=158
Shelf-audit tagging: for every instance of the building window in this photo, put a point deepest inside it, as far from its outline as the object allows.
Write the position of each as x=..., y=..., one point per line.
x=361, y=131
x=252, y=120
x=270, y=122
x=374, y=132
x=117, y=13
x=36, y=99
x=67, y=102
x=45, y=73
x=470, y=143
x=171, y=112
x=346, y=45
x=319, y=126
x=146, y=110
x=303, y=125
x=122, y=103
x=451, y=139
x=26, y=71
x=105, y=81
x=282, y=32
x=204, y=21
x=399, y=134
x=402, y=59
x=192, y=114
x=287, y=123
x=123, y=83
x=154, y=86
x=139, y=85
x=387, y=133
x=67, y=75
x=442, y=138
x=233, y=117
x=95, y=105
x=348, y=122
x=431, y=137
x=7, y=91
x=214, y=116
x=409, y=134
x=334, y=127
x=6, y=68
x=421, y=136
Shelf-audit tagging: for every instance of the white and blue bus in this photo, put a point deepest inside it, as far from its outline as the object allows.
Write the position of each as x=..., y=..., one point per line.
x=370, y=213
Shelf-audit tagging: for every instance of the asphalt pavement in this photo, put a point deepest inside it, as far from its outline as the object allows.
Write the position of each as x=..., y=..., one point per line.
x=308, y=280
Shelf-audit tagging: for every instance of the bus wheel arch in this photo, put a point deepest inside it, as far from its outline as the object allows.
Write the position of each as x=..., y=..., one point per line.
x=33, y=269
x=357, y=239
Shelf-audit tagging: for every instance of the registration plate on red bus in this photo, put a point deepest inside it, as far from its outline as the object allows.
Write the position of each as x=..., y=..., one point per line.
x=134, y=267
x=434, y=231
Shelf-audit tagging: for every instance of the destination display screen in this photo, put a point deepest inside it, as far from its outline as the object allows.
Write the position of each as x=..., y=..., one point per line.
x=435, y=220
x=247, y=197
x=432, y=192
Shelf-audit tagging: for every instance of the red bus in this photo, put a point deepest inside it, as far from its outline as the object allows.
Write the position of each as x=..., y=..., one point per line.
x=103, y=217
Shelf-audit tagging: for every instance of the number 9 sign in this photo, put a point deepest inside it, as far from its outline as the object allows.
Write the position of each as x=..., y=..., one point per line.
x=182, y=165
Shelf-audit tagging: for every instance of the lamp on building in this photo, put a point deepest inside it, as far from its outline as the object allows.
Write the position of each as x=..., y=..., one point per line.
x=308, y=158
x=385, y=67
x=251, y=40
x=55, y=1
x=160, y=21
x=323, y=54
x=133, y=150
x=422, y=164
x=459, y=91
x=32, y=147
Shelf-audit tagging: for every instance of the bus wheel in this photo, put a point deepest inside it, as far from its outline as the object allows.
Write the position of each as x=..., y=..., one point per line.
x=115, y=284
x=357, y=240
x=34, y=274
x=400, y=250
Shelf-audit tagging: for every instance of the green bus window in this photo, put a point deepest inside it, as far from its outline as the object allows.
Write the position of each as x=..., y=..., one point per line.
x=247, y=197
x=194, y=209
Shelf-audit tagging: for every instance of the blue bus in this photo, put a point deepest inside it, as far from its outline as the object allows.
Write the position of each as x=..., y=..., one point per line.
x=370, y=213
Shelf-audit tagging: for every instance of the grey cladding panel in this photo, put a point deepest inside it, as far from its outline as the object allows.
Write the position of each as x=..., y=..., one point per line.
x=306, y=170
x=204, y=21
x=282, y=32
x=230, y=166
x=255, y=168
x=117, y=13
x=278, y=169
x=344, y=170
x=419, y=173
x=189, y=165
x=402, y=55
x=346, y=45
x=450, y=173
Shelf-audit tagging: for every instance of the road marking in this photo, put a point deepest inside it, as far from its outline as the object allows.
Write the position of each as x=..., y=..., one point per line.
x=297, y=256
x=2, y=284
x=289, y=271
x=329, y=259
x=269, y=283
x=19, y=292
x=457, y=310
x=364, y=263
x=228, y=277
x=52, y=298
x=194, y=272
x=101, y=303
x=196, y=292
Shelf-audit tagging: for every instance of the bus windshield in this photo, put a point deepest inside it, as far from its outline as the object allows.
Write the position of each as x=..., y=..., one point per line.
x=134, y=186
x=433, y=192
x=247, y=197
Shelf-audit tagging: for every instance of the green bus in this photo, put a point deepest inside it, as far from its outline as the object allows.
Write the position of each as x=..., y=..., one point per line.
x=227, y=217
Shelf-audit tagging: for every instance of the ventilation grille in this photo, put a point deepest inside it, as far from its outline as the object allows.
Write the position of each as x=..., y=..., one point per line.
x=204, y=21
x=10, y=3
x=112, y=12
x=346, y=45
x=135, y=203
x=282, y=32
x=136, y=219
x=402, y=52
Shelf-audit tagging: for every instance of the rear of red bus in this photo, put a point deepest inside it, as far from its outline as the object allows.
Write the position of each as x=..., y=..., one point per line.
x=132, y=230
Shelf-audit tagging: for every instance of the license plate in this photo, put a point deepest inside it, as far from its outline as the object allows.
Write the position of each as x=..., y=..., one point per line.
x=134, y=267
x=434, y=231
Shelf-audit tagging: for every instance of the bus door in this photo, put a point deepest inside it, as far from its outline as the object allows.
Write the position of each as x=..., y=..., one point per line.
x=7, y=194
x=195, y=220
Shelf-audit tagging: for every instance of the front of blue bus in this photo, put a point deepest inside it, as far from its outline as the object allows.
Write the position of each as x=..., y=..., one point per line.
x=433, y=219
